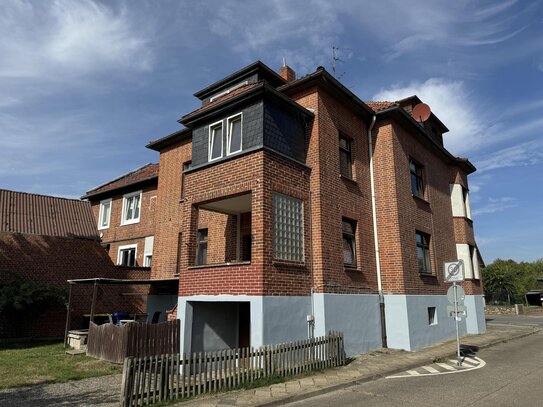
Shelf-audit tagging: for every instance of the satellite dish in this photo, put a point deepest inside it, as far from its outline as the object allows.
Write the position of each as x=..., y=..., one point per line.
x=421, y=112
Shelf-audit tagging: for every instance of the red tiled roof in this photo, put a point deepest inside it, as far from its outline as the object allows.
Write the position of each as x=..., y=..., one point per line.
x=377, y=106
x=147, y=172
x=21, y=212
x=234, y=92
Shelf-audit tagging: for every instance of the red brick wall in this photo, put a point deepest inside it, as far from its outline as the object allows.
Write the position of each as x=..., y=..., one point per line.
x=53, y=260
x=400, y=214
x=121, y=235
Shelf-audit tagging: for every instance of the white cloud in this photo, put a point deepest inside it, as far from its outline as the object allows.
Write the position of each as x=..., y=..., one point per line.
x=69, y=38
x=493, y=205
x=452, y=103
x=521, y=154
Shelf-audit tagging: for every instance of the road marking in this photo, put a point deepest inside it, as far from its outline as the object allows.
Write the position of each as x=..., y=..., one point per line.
x=442, y=368
x=445, y=366
x=470, y=360
x=430, y=369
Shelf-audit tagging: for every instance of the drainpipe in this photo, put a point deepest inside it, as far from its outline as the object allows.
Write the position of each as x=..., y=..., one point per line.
x=376, y=238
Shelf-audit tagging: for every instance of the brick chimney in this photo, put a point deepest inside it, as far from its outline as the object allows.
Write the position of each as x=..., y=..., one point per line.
x=287, y=73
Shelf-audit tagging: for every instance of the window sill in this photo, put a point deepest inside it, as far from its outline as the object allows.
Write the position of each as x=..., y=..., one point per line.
x=423, y=274
x=351, y=269
x=469, y=220
x=215, y=265
x=344, y=177
x=287, y=263
x=130, y=222
x=422, y=199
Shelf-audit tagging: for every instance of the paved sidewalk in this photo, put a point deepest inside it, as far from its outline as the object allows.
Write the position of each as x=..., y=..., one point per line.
x=363, y=368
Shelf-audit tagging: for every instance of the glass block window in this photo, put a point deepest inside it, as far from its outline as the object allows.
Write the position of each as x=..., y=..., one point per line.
x=288, y=228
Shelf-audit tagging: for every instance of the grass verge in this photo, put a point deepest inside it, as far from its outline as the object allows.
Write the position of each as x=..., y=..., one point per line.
x=24, y=364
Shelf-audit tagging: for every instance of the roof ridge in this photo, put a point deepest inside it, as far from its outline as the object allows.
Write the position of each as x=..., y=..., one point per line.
x=120, y=177
x=44, y=195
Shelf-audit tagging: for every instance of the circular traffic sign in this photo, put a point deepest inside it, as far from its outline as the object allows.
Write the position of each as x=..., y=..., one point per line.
x=460, y=294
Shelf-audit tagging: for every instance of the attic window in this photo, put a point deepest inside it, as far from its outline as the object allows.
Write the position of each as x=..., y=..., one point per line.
x=227, y=91
x=215, y=141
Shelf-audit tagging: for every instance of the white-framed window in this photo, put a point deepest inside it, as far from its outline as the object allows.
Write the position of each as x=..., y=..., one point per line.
x=104, y=214
x=126, y=255
x=131, y=208
x=147, y=260
x=215, y=141
x=288, y=228
x=432, y=316
x=234, y=137
x=227, y=91
x=148, y=251
x=460, y=201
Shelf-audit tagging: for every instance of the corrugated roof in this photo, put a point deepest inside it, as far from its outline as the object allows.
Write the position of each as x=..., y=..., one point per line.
x=147, y=172
x=22, y=212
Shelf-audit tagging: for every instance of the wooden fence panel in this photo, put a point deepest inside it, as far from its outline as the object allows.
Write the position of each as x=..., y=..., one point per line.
x=115, y=343
x=154, y=378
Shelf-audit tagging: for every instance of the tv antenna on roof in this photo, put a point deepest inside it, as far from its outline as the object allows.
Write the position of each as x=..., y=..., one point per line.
x=336, y=58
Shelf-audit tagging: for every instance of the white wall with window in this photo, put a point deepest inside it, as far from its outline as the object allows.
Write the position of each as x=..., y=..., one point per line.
x=469, y=255
x=148, y=251
x=126, y=255
x=460, y=201
x=131, y=208
x=104, y=214
x=288, y=228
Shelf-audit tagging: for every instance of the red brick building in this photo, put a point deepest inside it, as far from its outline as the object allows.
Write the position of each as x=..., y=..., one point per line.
x=289, y=207
x=48, y=240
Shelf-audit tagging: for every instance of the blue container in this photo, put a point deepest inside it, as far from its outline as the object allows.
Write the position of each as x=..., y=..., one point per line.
x=117, y=316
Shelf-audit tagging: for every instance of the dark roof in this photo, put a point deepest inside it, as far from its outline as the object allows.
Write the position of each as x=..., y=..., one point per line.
x=146, y=173
x=170, y=139
x=328, y=82
x=227, y=96
x=22, y=212
x=265, y=72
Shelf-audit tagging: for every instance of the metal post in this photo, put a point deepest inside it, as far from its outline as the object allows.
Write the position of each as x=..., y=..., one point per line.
x=68, y=314
x=93, y=304
x=459, y=360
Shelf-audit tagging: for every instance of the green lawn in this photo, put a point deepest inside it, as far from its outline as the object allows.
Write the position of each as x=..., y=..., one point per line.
x=31, y=363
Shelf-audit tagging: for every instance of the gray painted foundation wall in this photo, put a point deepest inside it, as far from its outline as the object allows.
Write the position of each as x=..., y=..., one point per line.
x=407, y=320
x=282, y=319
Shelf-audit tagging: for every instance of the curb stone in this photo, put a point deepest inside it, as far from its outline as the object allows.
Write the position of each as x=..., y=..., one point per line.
x=373, y=377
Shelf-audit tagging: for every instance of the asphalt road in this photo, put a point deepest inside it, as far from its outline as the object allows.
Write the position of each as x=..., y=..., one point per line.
x=529, y=319
x=513, y=376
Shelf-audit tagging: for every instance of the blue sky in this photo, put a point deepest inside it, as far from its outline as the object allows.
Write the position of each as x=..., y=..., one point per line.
x=84, y=85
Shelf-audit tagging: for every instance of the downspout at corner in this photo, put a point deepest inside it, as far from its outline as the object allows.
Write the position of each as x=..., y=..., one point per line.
x=376, y=237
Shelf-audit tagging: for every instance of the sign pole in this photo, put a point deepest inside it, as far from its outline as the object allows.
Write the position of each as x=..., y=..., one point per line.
x=456, y=318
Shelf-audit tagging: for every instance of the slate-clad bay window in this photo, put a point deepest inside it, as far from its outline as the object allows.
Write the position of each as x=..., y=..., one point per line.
x=348, y=228
x=104, y=214
x=201, y=249
x=215, y=141
x=423, y=252
x=345, y=158
x=131, y=208
x=417, y=182
x=288, y=228
x=127, y=256
x=234, y=137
